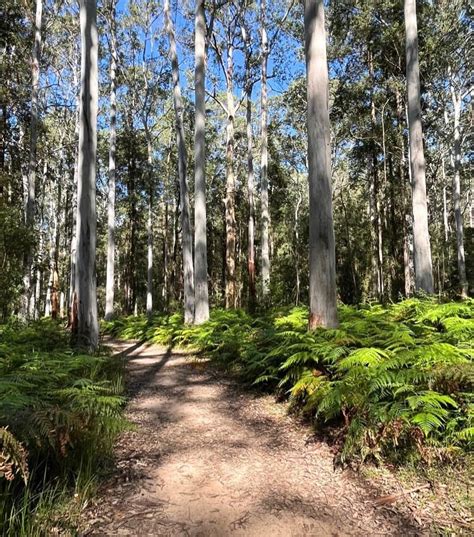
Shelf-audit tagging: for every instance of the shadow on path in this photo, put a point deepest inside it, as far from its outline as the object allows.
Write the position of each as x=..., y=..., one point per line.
x=210, y=459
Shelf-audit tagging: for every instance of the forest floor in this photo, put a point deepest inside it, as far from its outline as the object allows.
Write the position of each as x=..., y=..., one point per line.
x=207, y=458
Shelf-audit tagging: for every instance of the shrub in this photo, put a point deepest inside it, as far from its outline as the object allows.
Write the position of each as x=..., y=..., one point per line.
x=390, y=380
x=59, y=413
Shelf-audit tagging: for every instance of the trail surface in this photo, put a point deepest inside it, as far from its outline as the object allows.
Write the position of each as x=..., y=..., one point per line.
x=209, y=459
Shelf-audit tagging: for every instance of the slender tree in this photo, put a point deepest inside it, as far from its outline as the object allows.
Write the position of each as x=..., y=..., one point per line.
x=421, y=237
x=322, y=259
x=149, y=229
x=456, y=98
x=28, y=298
x=201, y=312
x=110, y=281
x=250, y=171
x=264, y=153
x=183, y=184
x=86, y=329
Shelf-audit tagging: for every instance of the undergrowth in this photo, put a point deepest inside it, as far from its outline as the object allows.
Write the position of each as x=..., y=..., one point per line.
x=391, y=381
x=60, y=413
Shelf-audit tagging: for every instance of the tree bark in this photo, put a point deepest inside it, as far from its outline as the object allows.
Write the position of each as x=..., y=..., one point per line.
x=376, y=219
x=264, y=156
x=87, y=329
x=251, y=208
x=149, y=229
x=110, y=278
x=252, y=299
x=421, y=237
x=456, y=99
x=52, y=299
x=28, y=298
x=231, y=225
x=322, y=257
x=201, y=312
x=187, y=241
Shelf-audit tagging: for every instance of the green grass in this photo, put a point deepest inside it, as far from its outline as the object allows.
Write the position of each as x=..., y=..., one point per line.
x=393, y=381
x=60, y=413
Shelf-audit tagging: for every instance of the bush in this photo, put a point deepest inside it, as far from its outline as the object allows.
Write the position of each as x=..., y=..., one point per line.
x=394, y=380
x=60, y=413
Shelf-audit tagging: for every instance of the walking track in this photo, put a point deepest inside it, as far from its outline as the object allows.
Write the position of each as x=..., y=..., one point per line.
x=207, y=458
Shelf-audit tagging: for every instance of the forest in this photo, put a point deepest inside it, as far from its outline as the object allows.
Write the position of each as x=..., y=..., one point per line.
x=237, y=267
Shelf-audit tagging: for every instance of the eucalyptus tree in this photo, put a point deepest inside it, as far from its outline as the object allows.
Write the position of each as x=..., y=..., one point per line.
x=188, y=269
x=224, y=40
x=201, y=311
x=422, y=246
x=248, y=88
x=85, y=327
x=322, y=267
x=264, y=52
x=110, y=282
x=454, y=39
x=28, y=299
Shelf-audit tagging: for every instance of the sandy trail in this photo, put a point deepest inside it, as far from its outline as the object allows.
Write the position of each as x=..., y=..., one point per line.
x=209, y=459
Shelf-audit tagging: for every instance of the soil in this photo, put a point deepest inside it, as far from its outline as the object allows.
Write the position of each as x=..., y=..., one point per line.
x=208, y=458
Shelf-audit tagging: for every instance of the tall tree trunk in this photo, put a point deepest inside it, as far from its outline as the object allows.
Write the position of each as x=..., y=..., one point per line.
x=52, y=299
x=322, y=256
x=456, y=98
x=87, y=329
x=28, y=298
x=296, y=250
x=421, y=237
x=73, y=245
x=39, y=278
x=231, y=225
x=149, y=230
x=376, y=219
x=201, y=312
x=149, y=270
x=252, y=299
x=188, y=270
x=110, y=279
x=264, y=156
x=403, y=188
x=250, y=191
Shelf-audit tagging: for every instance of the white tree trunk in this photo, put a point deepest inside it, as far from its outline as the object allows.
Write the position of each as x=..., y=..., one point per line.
x=457, y=194
x=322, y=258
x=149, y=281
x=52, y=281
x=201, y=312
x=110, y=279
x=264, y=157
x=231, y=225
x=87, y=329
x=188, y=270
x=72, y=270
x=149, y=230
x=250, y=191
x=28, y=297
x=421, y=237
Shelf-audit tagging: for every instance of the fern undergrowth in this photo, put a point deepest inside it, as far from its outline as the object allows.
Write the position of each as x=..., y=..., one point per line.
x=60, y=413
x=392, y=381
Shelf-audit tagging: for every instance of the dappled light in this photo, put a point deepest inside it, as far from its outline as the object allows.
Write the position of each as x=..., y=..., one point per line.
x=236, y=268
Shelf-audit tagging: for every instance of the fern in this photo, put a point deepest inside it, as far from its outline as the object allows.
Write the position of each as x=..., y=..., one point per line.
x=388, y=376
x=62, y=409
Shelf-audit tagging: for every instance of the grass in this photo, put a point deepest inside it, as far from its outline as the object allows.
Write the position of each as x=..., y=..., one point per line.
x=394, y=381
x=60, y=413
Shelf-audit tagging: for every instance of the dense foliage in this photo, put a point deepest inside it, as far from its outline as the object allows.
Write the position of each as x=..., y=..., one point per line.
x=392, y=380
x=59, y=415
x=372, y=196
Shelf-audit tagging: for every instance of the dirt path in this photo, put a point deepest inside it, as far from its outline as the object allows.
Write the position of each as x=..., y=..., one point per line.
x=207, y=459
